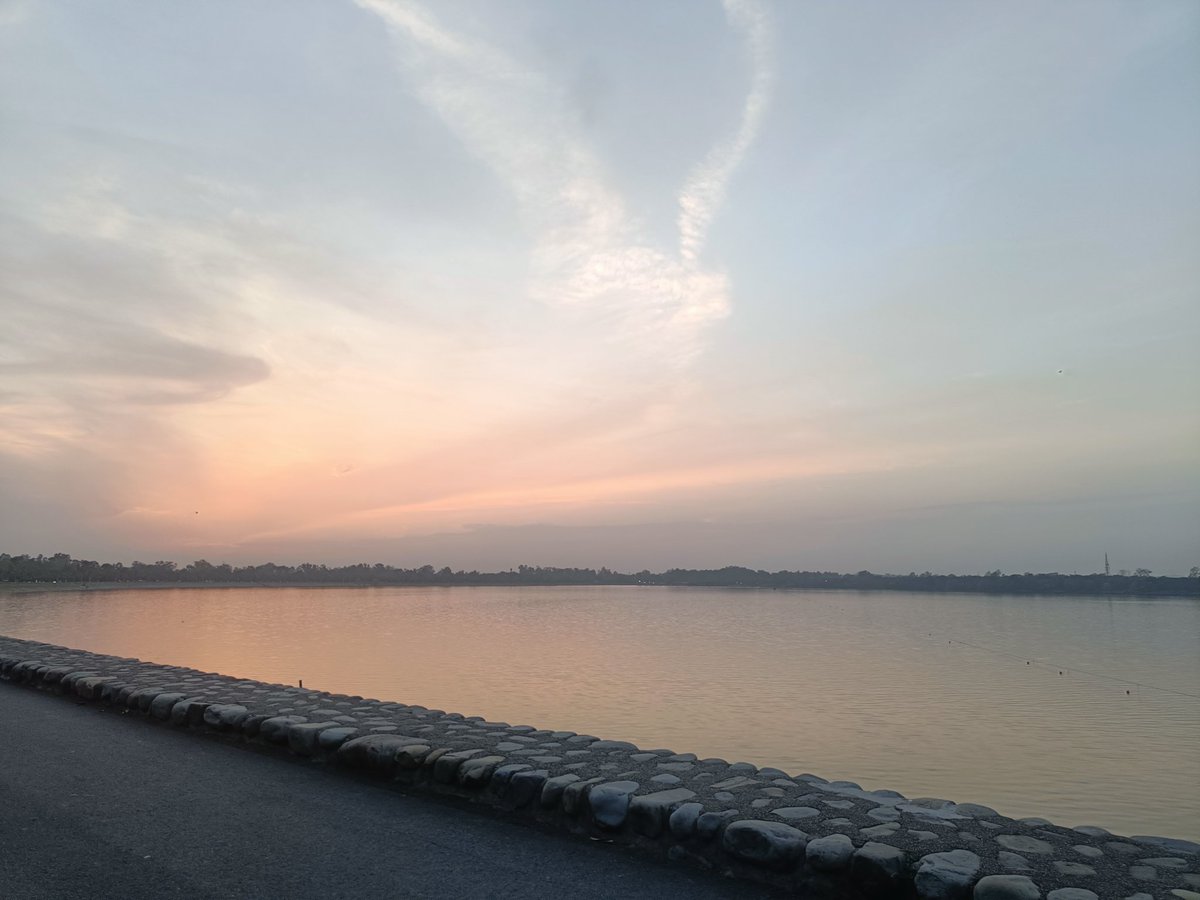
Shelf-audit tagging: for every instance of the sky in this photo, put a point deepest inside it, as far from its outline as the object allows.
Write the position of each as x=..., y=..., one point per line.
x=801, y=285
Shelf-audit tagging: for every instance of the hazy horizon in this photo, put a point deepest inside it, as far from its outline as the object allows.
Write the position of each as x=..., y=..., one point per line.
x=783, y=285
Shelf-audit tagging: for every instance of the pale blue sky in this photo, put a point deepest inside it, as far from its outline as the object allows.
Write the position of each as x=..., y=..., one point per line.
x=808, y=285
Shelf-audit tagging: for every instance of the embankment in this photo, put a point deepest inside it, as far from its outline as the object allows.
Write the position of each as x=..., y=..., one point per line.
x=822, y=839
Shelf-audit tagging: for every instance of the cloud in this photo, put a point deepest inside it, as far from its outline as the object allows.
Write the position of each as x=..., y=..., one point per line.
x=589, y=254
x=704, y=191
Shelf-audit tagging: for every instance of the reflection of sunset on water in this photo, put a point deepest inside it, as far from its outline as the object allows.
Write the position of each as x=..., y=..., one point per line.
x=842, y=684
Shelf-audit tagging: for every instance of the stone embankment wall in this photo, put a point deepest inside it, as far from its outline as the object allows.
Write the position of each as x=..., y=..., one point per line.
x=819, y=838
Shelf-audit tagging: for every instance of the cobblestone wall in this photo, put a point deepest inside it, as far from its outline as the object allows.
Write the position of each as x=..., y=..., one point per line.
x=823, y=839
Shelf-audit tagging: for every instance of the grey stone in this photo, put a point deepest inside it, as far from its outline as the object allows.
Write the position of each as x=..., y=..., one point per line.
x=838, y=804
x=1072, y=893
x=876, y=865
x=431, y=757
x=302, y=737
x=923, y=835
x=552, y=790
x=160, y=704
x=1020, y=843
x=613, y=745
x=761, y=803
x=1034, y=820
x=275, y=729
x=1092, y=830
x=225, y=716
x=1124, y=848
x=445, y=767
x=769, y=844
x=374, y=753
x=947, y=876
x=526, y=786
x=1089, y=852
x=666, y=778
x=724, y=796
x=1073, y=869
x=830, y=854
x=731, y=783
x=975, y=810
x=1165, y=862
x=794, y=813
x=412, y=755
x=89, y=688
x=503, y=774
x=476, y=773
x=710, y=823
x=189, y=711
x=1140, y=896
x=648, y=813
x=1175, y=845
x=331, y=738
x=682, y=822
x=675, y=766
x=609, y=803
x=887, y=829
x=1143, y=873
x=575, y=796
x=884, y=814
x=1006, y=887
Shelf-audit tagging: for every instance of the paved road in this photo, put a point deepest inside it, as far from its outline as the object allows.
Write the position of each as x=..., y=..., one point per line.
x=97, y=805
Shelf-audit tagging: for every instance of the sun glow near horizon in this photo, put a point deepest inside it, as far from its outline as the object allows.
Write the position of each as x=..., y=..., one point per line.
x=618, y=285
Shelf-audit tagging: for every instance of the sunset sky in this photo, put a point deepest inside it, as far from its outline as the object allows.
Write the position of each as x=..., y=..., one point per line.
x=805, y=285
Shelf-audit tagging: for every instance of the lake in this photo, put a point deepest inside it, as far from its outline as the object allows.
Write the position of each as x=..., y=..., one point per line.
x=1084, y=710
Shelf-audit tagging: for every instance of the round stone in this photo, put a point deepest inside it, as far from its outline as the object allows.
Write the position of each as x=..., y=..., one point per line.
x=975, y=810
x=1006, y=887
x=1089, y=852
x=946, y=876
x=791, y=813
x=1069, y=868
x=765, y=843
x=830, y=854
x=1072, y=893
x=1020, y=843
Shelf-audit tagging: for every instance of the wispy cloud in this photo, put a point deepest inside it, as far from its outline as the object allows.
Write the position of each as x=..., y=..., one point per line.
x=588, y=252
x=704, y=191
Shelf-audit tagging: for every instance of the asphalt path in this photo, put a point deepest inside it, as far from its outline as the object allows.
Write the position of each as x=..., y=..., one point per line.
x=97, y=804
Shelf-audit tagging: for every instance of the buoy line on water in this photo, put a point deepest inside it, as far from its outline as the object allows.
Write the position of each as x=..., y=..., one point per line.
x=1029, y=660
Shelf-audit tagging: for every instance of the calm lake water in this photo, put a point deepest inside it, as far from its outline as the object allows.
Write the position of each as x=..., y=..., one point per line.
x=956, y=696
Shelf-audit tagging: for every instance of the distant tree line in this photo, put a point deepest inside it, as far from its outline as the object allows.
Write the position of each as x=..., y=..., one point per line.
x=63, y=568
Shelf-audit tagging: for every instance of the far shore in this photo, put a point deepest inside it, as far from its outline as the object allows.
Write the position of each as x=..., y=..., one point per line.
x=11, y=588
x=45, y=587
